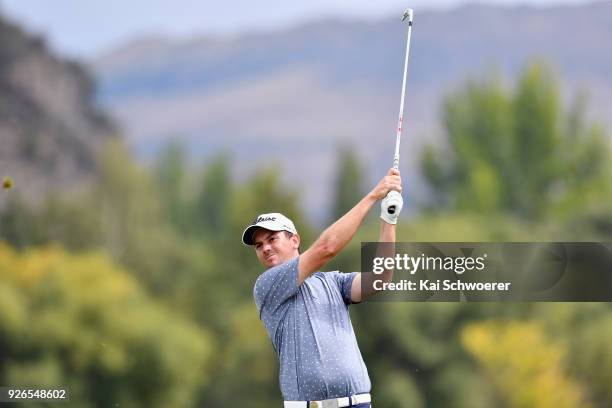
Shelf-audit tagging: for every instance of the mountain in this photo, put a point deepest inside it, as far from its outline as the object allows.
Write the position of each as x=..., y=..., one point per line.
x=50, y=128
x=290, y=97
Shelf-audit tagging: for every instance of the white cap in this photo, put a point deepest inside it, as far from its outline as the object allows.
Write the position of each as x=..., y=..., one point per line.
x=270, y=221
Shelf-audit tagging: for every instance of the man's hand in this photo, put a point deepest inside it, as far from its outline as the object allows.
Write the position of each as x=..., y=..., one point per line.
x=392, y=181
x=392, y=199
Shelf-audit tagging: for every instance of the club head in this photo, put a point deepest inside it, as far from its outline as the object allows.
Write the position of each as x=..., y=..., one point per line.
x=407, y=15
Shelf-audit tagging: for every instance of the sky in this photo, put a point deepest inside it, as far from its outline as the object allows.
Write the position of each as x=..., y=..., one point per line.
x=88, y=28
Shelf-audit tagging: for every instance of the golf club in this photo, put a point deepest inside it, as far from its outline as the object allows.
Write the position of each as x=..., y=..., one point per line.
x=407, y=16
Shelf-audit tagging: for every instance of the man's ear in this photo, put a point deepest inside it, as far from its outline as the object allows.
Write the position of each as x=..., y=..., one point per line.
x=295, y=238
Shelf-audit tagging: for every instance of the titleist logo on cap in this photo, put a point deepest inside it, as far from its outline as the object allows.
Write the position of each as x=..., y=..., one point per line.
x=262, y=219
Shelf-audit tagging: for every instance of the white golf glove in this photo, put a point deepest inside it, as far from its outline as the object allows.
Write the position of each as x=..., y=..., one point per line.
x=393, y=199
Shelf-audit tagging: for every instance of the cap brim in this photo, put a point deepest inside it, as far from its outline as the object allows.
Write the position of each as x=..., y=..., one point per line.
x=247, y=235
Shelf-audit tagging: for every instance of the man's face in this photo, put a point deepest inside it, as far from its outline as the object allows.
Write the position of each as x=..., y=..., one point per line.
x=275, y=247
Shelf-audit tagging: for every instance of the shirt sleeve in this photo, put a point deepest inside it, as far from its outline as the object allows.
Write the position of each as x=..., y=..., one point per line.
x=276, y=285
x=345, y=282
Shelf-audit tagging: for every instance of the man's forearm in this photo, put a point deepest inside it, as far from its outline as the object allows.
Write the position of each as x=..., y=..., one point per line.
x=363, y=286
x=387, y=234
x=339, y=234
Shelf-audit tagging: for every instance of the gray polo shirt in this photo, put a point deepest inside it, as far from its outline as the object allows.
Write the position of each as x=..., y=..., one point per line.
x=311, y=332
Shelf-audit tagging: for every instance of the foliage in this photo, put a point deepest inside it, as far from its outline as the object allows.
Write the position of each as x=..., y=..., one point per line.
x=518, y=152
x=348, y=188
x=524, y=366
x=213, y=203
x=152, y=295
x=80, y=321
x=170, y=179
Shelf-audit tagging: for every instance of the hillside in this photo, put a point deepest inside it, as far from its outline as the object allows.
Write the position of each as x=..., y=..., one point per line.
x=50, y=127
x=291, y=97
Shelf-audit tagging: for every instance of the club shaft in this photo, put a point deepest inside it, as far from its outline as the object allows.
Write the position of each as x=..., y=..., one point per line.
x=400, y=124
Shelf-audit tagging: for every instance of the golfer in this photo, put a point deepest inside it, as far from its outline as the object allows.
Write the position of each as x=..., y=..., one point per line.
x=305, y=311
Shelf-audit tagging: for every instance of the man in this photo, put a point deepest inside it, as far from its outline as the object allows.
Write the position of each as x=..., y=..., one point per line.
x=306, y=311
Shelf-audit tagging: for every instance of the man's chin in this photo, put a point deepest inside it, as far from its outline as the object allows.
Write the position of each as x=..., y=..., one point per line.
x=273, y=262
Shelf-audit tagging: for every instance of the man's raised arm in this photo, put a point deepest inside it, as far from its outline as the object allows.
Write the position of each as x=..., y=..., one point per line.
x=339, y=234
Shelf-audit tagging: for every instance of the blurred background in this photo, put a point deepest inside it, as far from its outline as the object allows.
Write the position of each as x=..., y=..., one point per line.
x=139, y=139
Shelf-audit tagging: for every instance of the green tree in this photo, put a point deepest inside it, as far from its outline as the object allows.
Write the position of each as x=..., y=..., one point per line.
x=81, y=322
x=65, y=218
x=134, y=229
x=17, y=223
x=517, y=152
x=213, y=202
x=265, y=192
x=348, y=188
x=171, y=181
x=525, y=367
